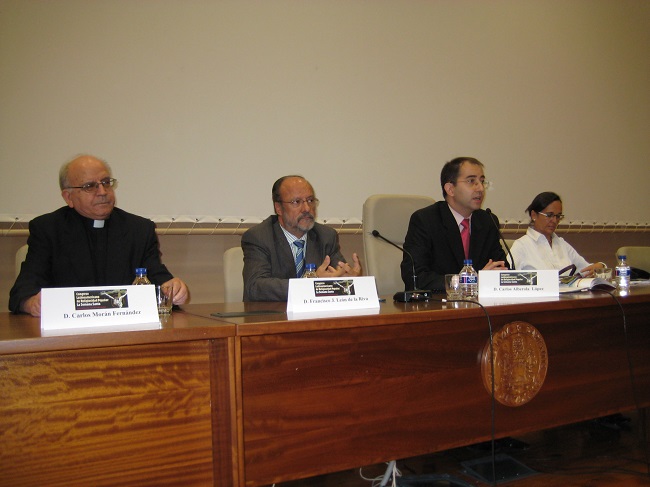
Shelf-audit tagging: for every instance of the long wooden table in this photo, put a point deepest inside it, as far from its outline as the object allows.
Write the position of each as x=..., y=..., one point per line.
x=257, y=399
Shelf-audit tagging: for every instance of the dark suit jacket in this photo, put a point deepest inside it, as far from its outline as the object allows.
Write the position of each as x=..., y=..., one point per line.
x=59, y=253
x=433, y=239
x=269, y=263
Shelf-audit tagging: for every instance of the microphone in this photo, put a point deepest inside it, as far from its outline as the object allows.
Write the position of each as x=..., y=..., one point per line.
x=492, y=217
x=406, y=296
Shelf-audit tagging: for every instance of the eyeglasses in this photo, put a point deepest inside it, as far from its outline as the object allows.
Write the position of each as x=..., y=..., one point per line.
x=297, y=203
x=94, y=186
x=559, y=216
x=475, y=181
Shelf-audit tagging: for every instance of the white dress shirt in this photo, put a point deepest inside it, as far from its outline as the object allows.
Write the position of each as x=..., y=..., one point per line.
x=459, y=220
x=532, y=251
x=291, y=238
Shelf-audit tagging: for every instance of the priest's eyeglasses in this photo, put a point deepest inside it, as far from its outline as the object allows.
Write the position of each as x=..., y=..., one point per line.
x=550, y=216
x=93, y=186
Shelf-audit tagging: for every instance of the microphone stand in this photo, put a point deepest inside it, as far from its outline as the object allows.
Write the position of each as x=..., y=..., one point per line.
x=406, y=296
x=505, y=244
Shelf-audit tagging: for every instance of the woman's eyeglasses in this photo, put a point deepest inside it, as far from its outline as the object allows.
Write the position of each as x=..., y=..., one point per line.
x=550, y=216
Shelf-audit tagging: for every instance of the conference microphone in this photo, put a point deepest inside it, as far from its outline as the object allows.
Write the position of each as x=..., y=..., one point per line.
x=492, y=217
x=406, y=296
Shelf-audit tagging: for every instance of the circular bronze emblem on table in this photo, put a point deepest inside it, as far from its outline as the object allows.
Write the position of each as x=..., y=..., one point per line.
x=520, y=363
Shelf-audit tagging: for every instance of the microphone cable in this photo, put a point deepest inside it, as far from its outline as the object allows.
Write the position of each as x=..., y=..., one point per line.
x=492, y=385
x=630, y=366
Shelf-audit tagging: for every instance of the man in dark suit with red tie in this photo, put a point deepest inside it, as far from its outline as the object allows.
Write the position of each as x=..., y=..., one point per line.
x=89, y=242
x=442, y=235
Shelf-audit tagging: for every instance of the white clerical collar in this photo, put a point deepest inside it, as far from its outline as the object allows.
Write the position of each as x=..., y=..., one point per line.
x=98, y=223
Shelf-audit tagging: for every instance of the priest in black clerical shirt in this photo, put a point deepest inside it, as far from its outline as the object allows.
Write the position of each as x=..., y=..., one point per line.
x=90, y=242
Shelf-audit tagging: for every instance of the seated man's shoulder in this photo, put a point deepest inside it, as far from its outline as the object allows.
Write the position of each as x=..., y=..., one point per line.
x=262, y=227
x=55, y=216
x=132, y=218
x=324, y=230
x=433, y=211
x=430, y=209
x=262, y=234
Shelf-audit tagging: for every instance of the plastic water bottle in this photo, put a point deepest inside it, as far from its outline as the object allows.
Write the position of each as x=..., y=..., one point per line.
x=468, y=281
x=622, y=274
x=310, y=271
x=141, y=276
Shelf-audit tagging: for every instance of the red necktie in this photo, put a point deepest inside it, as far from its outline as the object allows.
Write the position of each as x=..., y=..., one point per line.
x=464, y=236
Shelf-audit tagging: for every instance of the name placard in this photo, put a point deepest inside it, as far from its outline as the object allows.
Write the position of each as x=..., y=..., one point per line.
x=332, y=294
x=84, y=308
x=518, y=284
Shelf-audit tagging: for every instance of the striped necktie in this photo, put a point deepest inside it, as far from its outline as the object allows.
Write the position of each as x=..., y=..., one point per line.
x=300, y=257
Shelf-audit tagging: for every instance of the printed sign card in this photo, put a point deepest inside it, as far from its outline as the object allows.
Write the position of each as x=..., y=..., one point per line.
x=332, y=294
x=124, y=307
x=518, y=284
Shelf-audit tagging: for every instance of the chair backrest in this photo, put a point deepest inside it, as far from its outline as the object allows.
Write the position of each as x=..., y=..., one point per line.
x=389, y=214
x=233, y=280
x=637, y=257
x=21, y=253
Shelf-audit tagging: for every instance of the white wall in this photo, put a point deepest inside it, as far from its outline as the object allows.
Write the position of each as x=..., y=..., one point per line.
x=199, y=105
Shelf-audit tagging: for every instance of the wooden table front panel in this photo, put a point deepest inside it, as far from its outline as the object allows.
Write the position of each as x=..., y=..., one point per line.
x=130, y=415
x=328, y=400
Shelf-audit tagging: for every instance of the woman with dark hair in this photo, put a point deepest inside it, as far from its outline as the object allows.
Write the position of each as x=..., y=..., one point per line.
x=541, y=248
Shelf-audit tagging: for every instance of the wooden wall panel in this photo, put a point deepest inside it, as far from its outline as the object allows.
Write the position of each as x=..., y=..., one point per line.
x=319, y=401
x=137, y=415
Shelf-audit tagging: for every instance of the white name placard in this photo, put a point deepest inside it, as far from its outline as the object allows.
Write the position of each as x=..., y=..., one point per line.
x=83, y=308
x=518, y=284
x=332, y=294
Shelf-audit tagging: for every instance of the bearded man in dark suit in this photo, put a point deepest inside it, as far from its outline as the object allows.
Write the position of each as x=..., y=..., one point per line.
x=277, y=249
